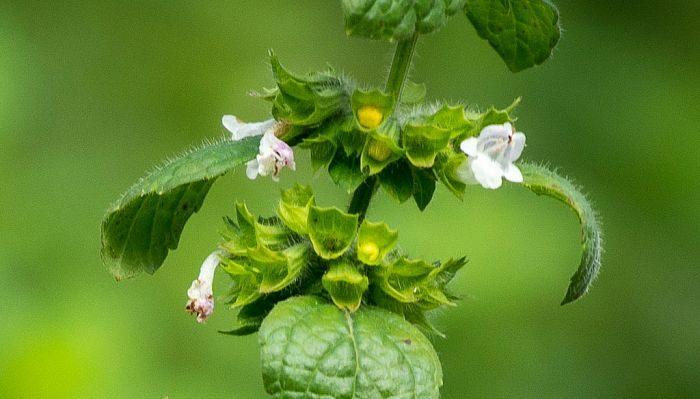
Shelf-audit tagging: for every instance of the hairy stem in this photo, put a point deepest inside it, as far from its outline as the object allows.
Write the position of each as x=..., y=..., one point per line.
x=400, y=66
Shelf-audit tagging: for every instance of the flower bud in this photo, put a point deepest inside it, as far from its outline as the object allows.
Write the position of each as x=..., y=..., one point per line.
x=378, y=150
x=369, y=116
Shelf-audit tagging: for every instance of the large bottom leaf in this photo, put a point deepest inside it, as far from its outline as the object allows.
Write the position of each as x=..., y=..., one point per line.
x=311, y=349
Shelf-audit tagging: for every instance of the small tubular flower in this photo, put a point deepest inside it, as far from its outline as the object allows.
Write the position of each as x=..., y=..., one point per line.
x=274, y=155
x=491, y=156
x=240, y=130
x=200, y=293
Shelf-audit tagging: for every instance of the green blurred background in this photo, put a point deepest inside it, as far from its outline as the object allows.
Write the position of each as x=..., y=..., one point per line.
x=93, y=94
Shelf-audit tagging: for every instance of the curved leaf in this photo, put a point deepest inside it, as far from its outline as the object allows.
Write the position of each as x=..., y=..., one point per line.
x=543, y=181
x=146, y=222
x=523, y=32
x=311, y=349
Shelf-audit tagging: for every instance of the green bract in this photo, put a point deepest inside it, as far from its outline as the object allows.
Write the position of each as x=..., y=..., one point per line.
x=523, y=32
x=269, y=261
x=331, y=231
x=146, y=222
x=310, y=349
x=307, y=101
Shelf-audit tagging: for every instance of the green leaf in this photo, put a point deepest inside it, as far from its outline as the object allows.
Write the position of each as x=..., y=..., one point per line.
x=397, y=181
x=345, y=171
x=309, y=100
x=523, y=32
x=311, y=349
x=423, y=142
x=397, y=19
x=374, y=242
x=294, y=206
x=423, y=187
x=323, y=142
x=146, y=222
x=345, y=284
x=543, y=181
x=331, y=231
x=446, y=165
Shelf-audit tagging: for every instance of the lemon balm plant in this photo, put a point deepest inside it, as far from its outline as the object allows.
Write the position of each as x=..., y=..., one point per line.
x=340, y=311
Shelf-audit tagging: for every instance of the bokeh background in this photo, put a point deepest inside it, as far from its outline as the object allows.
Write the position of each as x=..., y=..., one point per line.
x=93, y=94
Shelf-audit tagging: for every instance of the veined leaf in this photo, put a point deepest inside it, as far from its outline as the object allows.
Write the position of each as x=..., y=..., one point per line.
x=397, y=19
x=543, y=181
x=146, y=222
x=311, y=349
x=523, y=32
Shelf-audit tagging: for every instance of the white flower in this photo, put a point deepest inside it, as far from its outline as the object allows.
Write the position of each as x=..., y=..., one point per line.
x=201, y=296
x=491, y=156
x=274, y=153
x=240, y=130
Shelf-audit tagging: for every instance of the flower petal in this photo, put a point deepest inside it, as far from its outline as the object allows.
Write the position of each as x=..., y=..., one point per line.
x=252, y=169
x=517, y=145
x=240, y=130
x=469, y=146
x=512, y=173
x=465, y=174
x=487, y=172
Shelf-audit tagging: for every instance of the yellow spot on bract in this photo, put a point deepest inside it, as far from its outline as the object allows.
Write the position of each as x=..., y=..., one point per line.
x=369, y=116
x=378, y=151
x=370, y=251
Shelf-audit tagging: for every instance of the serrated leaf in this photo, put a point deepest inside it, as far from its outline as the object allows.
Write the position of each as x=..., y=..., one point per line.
x=423, y=186
x=311, y=349
x=397, y=19
x=345, y=284
x=310, y=100
x=543, y=181
x=331, y=231
x=146, y=222
x=523, y=32
x=374, y=242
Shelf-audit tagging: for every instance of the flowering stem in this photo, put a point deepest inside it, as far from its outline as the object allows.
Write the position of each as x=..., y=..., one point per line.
x=400, y=66
x=362, y=197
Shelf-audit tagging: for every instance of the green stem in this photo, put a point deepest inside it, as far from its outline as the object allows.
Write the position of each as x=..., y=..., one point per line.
x=362, y=196
x=400, y=66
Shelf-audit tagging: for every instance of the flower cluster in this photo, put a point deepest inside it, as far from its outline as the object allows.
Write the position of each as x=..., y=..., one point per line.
x=270, y=259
